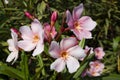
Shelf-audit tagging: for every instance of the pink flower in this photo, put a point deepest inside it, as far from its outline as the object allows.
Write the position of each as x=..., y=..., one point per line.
x=81, y=27
x=96, y=68
x=67, y=53
x=32, y=38
x=13, y=47
x=48, y=32
x=99, y=53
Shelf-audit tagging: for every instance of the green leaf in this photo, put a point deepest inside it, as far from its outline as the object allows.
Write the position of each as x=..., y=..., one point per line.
x=83, y=66
x=112, y=77
x=11, y=72
x=24, y=65
x=82, y=43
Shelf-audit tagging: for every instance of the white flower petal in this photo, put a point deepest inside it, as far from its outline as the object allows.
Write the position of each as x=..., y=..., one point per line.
x=66, y=43
x=77, y=52
x=11, y=45
x=54, y=49
x=26, y=45
x=39, y=49
x=72, y=64
x=36, y=27
x=12, y=56
x=58, y=65
x=26, y=32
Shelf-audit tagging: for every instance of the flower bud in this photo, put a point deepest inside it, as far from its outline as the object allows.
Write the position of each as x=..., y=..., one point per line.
x=53, y=18
x=28, y=15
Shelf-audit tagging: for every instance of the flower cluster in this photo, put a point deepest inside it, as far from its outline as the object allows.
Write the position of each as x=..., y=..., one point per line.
x=68, y=53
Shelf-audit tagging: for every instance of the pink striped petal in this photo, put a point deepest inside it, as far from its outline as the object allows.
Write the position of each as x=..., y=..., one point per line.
x=36, y=27
x=69, y=19
x=77, y=11
x=77, y=52
x=72, y=64
x=87, y=23
x=58, y=65
x=26, y=45
x=67, y=43
x=26, y=32
x=54, y=49
x=80, y=34
x=39, y=49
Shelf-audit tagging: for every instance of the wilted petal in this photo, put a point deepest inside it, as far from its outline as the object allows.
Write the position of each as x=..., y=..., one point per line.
x=12, y=56
x=69, y=19
x=87, y=23
x=11, y=45
x=67, y=43
x=58, y=65
x=72, y=64
x=77, y=11
x=36, y=27
x=26, y=32
x=54, y=49
x=39, y=49
x=26, y=45
x=77, y=52
x=80, y=34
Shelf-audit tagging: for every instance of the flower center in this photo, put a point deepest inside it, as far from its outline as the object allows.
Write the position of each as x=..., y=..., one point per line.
x=64, y=55
x=77, y=25
x=36, y=38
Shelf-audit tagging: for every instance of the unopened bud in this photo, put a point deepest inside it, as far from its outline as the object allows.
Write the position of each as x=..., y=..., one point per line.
x=53, y=18
x=29, y=15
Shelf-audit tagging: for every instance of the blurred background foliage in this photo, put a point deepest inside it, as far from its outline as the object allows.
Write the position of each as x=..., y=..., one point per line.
x=106, y=34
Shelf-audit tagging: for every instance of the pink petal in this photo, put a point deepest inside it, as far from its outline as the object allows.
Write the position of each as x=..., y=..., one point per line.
x=12, y=56
x=11, y=45
x=77, y=11
x=67, y=43
x=58, y=65
x=26, y=45
x=26, y=32
x=36, y=27
x=77, y=52
x=87, y=23
x=39, y=49
x=99, y=53
x=54, y=49
x=80, y=34
x=69, y=19
x=72, y=64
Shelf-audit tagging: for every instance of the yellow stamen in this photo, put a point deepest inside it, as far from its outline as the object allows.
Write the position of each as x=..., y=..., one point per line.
x=64, y=55
x=36, y=39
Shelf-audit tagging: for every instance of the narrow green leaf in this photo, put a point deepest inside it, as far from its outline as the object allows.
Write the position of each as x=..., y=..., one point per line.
x=82, y=43
x=41, y=65
x=11, y=72
x=24, y=65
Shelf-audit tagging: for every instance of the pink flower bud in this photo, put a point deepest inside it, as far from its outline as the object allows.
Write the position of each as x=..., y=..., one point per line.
x=28, y=15
x=53, y=18
x=15, y=30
